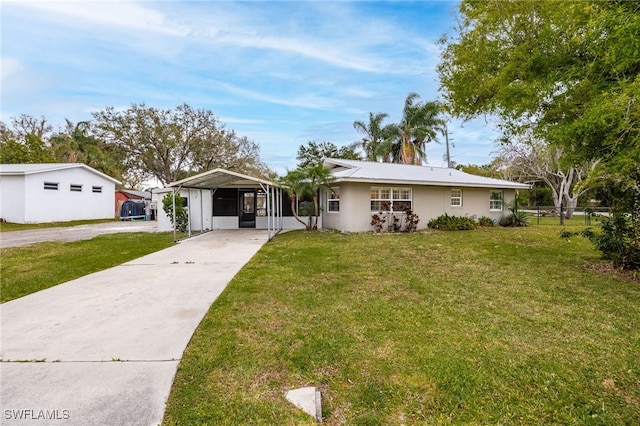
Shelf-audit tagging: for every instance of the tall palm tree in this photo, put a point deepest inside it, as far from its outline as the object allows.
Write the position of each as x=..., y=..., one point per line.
x=375, y=135
x=420, y=125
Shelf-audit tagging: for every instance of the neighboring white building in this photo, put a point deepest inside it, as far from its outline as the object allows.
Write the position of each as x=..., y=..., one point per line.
x=37, y=193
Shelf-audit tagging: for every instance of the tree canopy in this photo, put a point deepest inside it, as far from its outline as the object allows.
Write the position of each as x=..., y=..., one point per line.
x=134, y=145
x=566, y=70
x=167, y=144
x=313, y=154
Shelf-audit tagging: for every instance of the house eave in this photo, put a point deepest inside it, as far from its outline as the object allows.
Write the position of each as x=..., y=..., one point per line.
x=433, y=183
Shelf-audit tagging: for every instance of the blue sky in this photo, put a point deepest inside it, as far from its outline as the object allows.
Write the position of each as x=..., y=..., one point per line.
x=280, y=73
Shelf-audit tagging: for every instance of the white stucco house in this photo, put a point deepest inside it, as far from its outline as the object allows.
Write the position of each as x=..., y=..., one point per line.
x=360, y=188
x=220, y=199
x=37, y=193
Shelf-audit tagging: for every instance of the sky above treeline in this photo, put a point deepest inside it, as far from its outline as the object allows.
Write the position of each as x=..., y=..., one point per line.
x=281, y=73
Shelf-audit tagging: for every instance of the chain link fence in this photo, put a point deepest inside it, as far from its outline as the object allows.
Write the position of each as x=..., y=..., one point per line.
x=551, y=215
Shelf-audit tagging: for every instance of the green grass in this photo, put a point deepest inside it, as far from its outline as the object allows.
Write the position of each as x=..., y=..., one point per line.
x=492, y=326
x=26, y=270
x=576, y=220
x=9, y=226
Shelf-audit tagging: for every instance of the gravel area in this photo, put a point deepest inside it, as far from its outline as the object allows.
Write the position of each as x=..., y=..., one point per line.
x=72, y=233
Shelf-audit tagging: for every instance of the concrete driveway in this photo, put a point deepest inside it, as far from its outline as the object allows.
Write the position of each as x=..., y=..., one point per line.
x=103, y=349
x=72, y=233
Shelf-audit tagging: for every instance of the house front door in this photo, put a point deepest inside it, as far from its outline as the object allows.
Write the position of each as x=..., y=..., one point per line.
x=247, y=209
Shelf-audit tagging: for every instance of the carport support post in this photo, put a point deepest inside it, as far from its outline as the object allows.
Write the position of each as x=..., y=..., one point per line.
x=267, y=191
x=189, y=211
x=201, y=213
x=280, y=196
x=173, y=200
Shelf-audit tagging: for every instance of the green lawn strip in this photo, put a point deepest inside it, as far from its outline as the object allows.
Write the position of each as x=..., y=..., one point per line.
x=493, y=326
x=25, y=270
x=8, y=226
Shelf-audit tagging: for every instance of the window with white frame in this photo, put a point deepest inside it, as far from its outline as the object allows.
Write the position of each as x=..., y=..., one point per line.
x=333, y=200
x=456, y=198
x=75, y=187
x=398, y=199
x=496, y=199
x=96, y=189
x=51, y=185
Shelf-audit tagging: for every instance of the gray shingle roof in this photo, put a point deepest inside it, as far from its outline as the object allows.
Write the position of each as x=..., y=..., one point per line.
x=391, y=173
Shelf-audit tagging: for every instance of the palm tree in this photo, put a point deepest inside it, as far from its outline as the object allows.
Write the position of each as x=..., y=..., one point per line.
x=375, y=135
x=306, y=182
x=77, y=145
x=319, y=177
x=419, y=125
x=293, y=184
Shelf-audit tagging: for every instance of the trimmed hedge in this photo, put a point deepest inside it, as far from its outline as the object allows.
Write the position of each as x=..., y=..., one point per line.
x=452, y=223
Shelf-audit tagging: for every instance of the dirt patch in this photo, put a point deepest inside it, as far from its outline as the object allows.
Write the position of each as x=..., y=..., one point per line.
x=605, y=268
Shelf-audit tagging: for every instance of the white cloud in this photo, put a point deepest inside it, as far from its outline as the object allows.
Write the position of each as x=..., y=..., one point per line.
x=307, y=101
x=236, y=120
x=115, y=14
x=10, y=67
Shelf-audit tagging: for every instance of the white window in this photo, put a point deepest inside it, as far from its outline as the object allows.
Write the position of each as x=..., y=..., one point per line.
x=496, y=200
x=395, y=199
x=75, y=188
x=333, y=200
x=456, y=198
x=51, y=185
x=96, y=189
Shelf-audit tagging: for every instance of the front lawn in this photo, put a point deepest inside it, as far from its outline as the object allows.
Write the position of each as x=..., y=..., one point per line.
x=32, y=268
x=492, y=326
x=10, y=226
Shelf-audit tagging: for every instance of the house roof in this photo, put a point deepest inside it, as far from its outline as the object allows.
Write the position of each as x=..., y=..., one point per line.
x=29, y=169
x=219, y=178
x=403, y=174
x=137, y=194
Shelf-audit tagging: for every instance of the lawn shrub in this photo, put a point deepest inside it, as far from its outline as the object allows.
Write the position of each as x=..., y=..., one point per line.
x=387, y=219
x=485, y=221
x=411, y=220
x=452, y=223
x=182, y=217
x=619, y=240
x=514, y=219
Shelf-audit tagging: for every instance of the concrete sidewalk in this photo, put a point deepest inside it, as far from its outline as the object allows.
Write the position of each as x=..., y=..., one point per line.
x=103, y=349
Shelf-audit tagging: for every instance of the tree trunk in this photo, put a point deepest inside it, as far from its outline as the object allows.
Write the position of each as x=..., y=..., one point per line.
x=295, y=212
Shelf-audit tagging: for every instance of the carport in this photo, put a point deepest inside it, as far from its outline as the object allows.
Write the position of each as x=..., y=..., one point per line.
x=236, y=201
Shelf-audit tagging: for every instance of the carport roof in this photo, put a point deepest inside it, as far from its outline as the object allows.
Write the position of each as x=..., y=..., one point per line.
x=220, y=178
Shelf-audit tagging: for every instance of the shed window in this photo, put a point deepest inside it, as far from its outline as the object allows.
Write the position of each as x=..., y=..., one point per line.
x=75, y=188
x=399, y=199
x=333, y=200
x=456, y=198
x=51, y=185
x=96, y=189
x=495, y=200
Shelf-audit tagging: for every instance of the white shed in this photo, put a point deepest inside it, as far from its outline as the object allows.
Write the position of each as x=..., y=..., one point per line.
x=36, y=193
